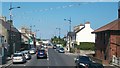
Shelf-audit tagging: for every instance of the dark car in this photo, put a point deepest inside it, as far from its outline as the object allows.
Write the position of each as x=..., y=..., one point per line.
x=41, y=54
x=86, y=62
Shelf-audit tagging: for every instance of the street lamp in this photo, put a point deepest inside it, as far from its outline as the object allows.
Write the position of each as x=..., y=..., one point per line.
x=11, y=8
x=36, y=32
x=59, y=32
x=69, y=20
x=31, y=34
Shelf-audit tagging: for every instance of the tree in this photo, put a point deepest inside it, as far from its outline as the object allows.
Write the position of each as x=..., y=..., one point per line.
x=58, y=40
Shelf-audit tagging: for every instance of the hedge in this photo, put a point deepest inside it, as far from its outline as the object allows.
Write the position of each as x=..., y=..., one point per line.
x=85, y=46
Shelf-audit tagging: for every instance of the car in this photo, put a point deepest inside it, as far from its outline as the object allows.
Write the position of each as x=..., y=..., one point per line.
x=18, y=57
x=41, y=53
x=32, y=51
x=27, y=54
x=86, y=62
x=57, y=48
x=54, y=46
x=61, y=50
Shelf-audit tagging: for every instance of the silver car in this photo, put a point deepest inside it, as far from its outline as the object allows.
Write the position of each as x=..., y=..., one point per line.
x=32, y=51
x=18, y=57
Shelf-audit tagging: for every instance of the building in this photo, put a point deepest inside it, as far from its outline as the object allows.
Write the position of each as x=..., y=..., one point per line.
x=27, y=41
x=107, y=41
x=71, y=36
x=28, y=38
x=11, y=36
x=83, y=33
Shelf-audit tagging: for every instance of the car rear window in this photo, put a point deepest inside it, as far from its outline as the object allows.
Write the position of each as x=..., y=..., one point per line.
x=15, y=55
x=41, y=50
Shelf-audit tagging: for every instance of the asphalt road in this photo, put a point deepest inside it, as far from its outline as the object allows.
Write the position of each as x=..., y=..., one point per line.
x=54, y=60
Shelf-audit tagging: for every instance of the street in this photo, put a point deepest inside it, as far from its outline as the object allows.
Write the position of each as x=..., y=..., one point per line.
x=55, y=59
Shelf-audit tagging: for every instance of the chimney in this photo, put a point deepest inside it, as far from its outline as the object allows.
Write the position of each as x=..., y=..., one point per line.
x=3, y=18
x=119, y=9
x=119, y=12
x=81, y=26
x=87, y=24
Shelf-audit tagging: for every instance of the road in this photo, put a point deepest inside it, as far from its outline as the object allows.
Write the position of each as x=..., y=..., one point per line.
x=54, y=60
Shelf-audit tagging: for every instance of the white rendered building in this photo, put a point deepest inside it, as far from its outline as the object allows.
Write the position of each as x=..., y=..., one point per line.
x=83, y=33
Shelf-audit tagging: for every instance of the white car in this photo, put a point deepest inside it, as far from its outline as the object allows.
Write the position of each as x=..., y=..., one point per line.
x=18, y=57
x=32, y=51
x=27, y=54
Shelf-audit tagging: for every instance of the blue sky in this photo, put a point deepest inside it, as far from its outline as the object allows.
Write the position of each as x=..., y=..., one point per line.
x=47, y=16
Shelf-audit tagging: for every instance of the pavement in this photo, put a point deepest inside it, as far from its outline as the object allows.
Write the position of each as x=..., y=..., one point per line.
x=8, y=63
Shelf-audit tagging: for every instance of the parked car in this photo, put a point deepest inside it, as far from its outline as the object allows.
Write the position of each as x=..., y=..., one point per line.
x=32, y=51
x=61, y=50
x=86, y=62
x=41, y=53
x=54, y=46
x=18, y=57
x=57, y=48
x=27, y=54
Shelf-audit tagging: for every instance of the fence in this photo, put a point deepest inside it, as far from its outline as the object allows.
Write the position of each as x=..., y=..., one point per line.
x=116, y=61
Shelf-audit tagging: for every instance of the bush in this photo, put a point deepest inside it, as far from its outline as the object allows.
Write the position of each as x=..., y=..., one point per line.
x=85, y=46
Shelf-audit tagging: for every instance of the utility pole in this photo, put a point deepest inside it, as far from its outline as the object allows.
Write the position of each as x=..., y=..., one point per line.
x=69, y=40
x=59, y=29
x=11, y=22
x=59, y=33
x=69, y=20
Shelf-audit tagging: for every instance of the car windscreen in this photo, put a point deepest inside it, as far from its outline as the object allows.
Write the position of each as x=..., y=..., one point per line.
x=16, y=55
x=61, y=48
x=83, y=58
x=41, y=50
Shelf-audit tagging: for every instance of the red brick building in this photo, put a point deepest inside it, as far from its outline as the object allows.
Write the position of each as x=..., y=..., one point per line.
x=107, y=41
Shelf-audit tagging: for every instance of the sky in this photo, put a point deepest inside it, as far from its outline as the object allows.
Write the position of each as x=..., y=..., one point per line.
x=47, y=16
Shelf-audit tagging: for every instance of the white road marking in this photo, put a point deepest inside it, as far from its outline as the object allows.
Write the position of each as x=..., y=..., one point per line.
x=47, y=56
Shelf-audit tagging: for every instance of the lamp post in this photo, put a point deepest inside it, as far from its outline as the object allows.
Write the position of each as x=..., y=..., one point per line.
x=69, y=20
x=59, y=31
x=36, y=32
x=31, y=34
x=59, y=34
x=11, y=8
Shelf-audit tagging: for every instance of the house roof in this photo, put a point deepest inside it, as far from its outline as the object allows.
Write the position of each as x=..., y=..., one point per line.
x=71, y=34
x=7, y=26
x=114, y=25
x=79, y=29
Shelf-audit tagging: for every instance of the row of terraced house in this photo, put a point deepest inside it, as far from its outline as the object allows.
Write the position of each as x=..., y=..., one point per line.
x=13, y=40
